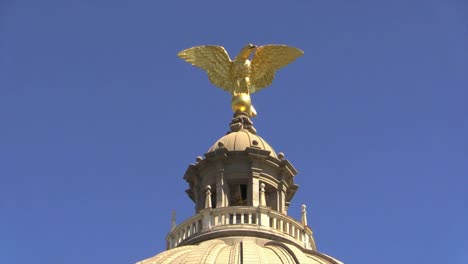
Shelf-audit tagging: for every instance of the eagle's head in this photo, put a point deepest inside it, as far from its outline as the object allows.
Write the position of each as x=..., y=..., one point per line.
x=245, y=52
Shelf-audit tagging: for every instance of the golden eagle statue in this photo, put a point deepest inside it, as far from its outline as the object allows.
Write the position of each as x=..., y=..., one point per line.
x=241, y=77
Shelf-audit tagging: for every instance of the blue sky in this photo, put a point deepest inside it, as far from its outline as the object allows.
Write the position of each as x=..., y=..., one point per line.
x=100, y=118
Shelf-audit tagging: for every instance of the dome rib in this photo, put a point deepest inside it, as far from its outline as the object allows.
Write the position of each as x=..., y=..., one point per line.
x=234, y=254
x=284, y=255
x=294, y=252
x=201, y=252
x=235, y=142
x=180, y=259
x=249, y=138
x=250, y=252
x=214, y=250
x=223, y=255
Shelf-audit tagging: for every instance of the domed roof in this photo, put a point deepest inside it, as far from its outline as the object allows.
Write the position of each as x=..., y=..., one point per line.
x=240, y=140
x=239, y=250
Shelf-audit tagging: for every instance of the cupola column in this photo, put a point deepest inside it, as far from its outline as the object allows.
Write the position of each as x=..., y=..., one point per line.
x=262, y=194
x=281, y=192
x=255, y=176
x=221, y=188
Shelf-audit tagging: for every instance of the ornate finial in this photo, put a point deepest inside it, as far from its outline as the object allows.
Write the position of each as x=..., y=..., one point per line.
x=208, y=197
x=173, y=220
x=242, y=121
x=304, y=215
x=241, y=77
x=262, y=194
x=280, y=155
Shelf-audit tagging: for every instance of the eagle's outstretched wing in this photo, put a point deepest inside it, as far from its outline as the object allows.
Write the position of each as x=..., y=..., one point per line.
x=214, y=60
x=267, y=60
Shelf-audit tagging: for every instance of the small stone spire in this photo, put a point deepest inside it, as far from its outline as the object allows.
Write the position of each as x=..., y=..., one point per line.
x=208, y=197
x=173, y=220
x=262, y=194
x=304, y=215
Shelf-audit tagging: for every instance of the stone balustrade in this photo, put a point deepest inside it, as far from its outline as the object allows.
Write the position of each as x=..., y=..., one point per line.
x=238, y=220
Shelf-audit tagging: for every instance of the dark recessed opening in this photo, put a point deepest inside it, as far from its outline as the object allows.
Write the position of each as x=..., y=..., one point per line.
x=238, y=194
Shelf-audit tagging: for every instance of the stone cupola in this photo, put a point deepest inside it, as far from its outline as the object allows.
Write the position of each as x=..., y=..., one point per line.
x=235, y=166
x=240, y=185
x=241, y=189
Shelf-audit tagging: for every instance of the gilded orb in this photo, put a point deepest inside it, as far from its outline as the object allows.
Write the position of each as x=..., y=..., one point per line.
x=241, y=102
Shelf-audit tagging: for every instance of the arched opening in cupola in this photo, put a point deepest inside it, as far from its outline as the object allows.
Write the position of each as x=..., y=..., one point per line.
x=238, y=194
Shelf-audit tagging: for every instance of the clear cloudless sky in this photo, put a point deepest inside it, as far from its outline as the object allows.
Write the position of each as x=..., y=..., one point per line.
x=99, y=120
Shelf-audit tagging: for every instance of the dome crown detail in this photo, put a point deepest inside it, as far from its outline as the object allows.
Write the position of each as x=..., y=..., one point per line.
x=240, y=141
